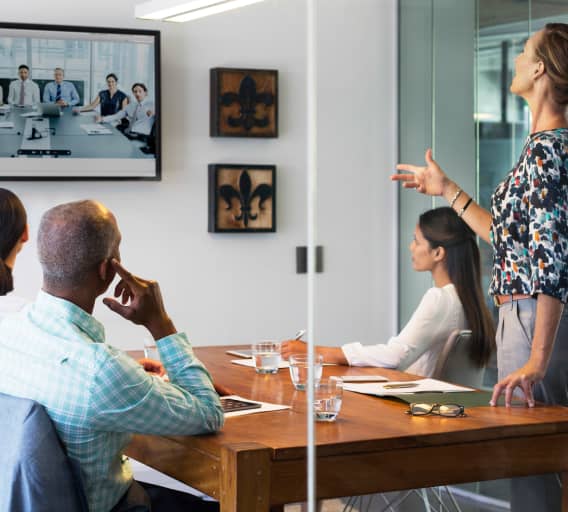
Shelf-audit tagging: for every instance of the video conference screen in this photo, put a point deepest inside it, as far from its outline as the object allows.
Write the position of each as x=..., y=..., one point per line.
x=79, y=103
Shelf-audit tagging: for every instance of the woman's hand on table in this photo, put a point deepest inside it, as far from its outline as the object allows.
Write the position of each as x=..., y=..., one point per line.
x=524, y=378
x=292, y=347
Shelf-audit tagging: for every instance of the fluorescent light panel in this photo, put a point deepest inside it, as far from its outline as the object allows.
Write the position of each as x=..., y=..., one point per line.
x=179, y=11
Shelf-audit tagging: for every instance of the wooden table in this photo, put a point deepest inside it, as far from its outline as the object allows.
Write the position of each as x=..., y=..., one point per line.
x=258, y=462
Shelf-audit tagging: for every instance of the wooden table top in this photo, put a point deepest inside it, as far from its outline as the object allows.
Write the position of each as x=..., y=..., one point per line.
x=365, y=423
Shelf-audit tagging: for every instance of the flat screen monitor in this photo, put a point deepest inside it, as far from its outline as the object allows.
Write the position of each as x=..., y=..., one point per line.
x=79, y=103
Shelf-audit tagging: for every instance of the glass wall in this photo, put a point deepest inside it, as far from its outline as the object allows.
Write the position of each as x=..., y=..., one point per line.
x=476, y=129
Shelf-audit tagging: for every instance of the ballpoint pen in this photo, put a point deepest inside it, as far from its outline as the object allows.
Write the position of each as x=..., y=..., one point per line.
x=299, y=334
x=396, y=386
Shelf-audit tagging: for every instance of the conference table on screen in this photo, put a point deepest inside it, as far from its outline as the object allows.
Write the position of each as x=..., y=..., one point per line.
x=257, y=462
x=63, y=136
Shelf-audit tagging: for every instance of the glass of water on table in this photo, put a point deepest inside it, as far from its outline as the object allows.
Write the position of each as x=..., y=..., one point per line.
x=266, y=355
x=328, y=396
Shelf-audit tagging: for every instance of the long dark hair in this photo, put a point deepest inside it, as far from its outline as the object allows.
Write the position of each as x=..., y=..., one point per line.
x=443, y=228
x=13, y=220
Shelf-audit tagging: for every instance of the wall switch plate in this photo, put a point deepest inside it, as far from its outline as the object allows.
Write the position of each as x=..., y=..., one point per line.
x=302, y=259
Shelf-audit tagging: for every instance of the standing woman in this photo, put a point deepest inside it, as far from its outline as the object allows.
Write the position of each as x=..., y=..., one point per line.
x=13, y=235
x=528, y=229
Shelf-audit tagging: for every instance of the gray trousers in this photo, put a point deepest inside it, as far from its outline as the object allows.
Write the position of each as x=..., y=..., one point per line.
x=514, y=340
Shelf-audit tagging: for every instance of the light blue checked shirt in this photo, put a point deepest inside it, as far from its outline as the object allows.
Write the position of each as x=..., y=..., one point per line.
x=55, y=353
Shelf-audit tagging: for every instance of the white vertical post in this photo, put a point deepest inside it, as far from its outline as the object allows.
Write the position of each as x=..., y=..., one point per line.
x=312, y=239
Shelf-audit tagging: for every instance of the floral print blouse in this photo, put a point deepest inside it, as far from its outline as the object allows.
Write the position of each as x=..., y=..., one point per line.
x=529, y=229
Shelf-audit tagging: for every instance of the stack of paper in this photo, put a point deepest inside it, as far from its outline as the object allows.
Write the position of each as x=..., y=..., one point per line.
x=96, y=129
x=406, y=387
x=6, y=124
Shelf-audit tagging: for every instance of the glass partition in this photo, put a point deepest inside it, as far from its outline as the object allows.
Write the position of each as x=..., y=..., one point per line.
x=456, y=62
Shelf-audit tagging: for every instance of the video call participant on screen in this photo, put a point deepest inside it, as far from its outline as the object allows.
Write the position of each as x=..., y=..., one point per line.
x=139, y=113
x=445, y=246
x=109, y=101
x=95, y=394
x=60, y=91
x=23, y=92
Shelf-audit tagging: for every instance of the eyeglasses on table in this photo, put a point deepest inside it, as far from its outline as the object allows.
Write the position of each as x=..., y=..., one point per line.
x=447, y=410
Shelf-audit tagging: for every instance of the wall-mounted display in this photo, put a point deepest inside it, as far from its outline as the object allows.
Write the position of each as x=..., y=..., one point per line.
x=79, y=103
x=244, y=103
x=242, y=198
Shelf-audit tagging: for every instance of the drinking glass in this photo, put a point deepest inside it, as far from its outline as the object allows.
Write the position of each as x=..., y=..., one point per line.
x=150, y=349
x=266, y=355
x=328, y=395
x=299, y=370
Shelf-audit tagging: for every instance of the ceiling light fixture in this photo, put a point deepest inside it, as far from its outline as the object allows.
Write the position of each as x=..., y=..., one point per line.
x=180, y=11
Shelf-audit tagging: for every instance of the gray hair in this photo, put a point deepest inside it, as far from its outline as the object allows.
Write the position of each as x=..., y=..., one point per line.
x=73, y=239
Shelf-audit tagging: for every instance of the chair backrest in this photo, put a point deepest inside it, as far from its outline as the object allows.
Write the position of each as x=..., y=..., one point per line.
x=454, y=365
x=35, y=472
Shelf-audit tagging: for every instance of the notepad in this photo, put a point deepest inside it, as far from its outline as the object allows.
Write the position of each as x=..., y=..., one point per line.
x=419, y=386
x=264, y=407
x=96, y=129
x=6, y=124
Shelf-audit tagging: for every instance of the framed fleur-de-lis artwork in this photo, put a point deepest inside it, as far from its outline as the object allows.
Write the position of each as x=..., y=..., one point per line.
x=242, y=198
x=244, y=102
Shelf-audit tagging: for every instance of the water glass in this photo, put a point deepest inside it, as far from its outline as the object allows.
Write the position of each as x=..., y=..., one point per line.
x=328, y=396
x=299, y=370
x=266, y=355
x=150, y=349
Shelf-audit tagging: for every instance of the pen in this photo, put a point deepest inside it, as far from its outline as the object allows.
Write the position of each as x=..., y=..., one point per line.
x=299, y=334
x=396, y=386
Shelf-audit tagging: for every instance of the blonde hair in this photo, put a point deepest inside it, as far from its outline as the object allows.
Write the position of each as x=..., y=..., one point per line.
x=552, y=49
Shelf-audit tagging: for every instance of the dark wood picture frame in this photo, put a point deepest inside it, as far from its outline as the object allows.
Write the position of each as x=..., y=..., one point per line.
x=242, y=198
x=243, y=103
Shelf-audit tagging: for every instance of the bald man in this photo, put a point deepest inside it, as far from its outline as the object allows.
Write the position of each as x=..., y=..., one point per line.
x=54, y=352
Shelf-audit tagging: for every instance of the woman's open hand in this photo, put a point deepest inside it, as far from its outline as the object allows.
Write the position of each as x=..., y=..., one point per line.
x=429, y=180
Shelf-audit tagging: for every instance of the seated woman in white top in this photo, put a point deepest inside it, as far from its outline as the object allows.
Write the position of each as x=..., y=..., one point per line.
x=13, y=235
x=445, y=246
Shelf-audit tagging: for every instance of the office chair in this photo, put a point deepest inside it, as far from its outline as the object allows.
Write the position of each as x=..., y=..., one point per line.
x=35, y=472
x=453, y=365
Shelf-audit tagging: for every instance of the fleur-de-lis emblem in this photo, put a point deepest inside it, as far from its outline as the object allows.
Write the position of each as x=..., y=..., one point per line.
x=248, y=99
x=245, y=197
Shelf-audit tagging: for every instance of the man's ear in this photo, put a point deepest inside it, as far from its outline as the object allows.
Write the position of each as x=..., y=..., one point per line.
x=106, y=271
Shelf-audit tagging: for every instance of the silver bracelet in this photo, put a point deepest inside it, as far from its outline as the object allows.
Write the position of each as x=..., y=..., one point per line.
x=455, y=198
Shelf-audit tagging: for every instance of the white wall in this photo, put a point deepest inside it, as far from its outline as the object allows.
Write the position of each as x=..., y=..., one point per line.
x=236, y=288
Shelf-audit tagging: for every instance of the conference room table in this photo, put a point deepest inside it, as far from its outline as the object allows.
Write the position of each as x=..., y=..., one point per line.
x=257, y=462
x=25, y=132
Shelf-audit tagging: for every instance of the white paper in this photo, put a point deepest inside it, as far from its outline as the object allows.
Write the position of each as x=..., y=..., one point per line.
x=30, y=114
x=250, y=363
x=6, y=124
x=265, y=407
x=422, y=386
x=96, y=129
x=362, y=378
x=149, y=475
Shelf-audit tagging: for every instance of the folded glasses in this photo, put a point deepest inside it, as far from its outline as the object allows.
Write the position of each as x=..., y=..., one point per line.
x=449, y=410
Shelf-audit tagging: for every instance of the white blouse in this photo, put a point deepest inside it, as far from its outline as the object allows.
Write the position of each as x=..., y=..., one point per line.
x=417, y=347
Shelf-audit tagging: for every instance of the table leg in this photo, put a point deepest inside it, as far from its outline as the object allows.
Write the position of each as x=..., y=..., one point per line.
x=245, y=478
x=564, y=491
